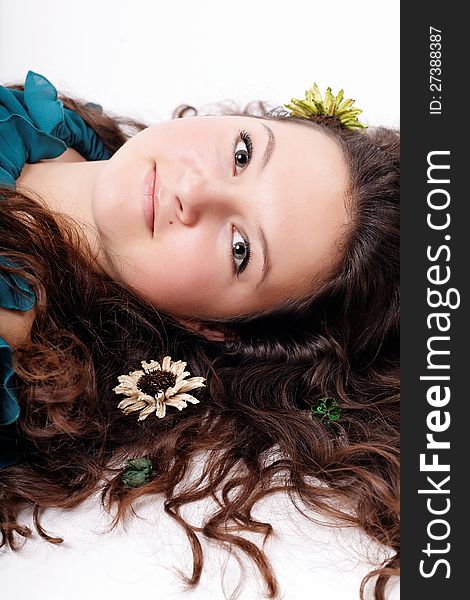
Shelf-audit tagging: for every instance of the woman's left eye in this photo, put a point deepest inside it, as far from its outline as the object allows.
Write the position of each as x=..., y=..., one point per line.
x=242, y=150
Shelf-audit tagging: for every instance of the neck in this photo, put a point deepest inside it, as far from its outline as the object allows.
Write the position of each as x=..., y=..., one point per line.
x=67, y=188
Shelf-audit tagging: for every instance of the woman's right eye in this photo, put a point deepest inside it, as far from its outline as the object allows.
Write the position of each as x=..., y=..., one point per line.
x=240, y=251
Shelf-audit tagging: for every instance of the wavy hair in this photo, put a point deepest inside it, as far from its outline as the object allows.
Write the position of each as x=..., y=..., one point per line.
x=253, y=423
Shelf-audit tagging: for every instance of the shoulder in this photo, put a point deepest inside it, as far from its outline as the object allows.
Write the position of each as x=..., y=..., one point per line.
x=15, y=325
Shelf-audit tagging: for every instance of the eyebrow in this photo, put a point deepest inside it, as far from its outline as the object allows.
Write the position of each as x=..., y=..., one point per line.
x=268, y=151
x=266, y=257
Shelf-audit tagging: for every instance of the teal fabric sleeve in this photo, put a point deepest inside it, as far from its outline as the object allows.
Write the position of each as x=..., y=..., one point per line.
x=9, y=410
x=34, y=125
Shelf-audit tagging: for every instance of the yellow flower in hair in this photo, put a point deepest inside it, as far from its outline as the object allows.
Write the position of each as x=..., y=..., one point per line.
x=155, y=387
x=328, y=107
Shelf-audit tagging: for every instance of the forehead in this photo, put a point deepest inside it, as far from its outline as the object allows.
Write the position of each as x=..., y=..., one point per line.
x=304, y=206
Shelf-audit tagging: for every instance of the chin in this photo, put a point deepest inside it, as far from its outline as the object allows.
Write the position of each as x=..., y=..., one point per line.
x=105, y=204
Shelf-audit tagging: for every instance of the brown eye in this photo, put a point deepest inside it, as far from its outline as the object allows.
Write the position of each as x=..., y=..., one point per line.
x=241, y=157
x=242, y=150
x=240, y=251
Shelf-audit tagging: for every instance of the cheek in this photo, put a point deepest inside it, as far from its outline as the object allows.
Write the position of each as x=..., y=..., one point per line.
x=178, y=272
x=188, y=261
x=179, y=287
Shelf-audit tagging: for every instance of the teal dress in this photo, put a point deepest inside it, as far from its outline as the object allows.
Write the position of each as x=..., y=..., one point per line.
x=34, y=125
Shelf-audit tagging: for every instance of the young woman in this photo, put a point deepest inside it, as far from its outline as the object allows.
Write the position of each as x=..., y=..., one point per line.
x=260, y=249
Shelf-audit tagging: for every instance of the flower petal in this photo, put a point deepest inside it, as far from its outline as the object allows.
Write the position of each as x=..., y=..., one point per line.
x=146, y=398
x=129, y=380
x=178, y=368
x=170, y=391
x=135, y=406
x=179, y=378
x=191, y=384
x=153, y=365
x=146, y=412
x=180, y=404
x=166, y=363
x=128, y=402
x=122, y=389
x=186, y=398
x=161, y=410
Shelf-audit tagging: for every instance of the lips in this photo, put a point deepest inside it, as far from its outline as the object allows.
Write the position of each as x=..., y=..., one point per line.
x=150, y=198
x=156, y=197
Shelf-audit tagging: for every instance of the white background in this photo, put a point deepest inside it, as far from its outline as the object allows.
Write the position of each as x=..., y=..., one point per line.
x=141, y=59
x=311, y=561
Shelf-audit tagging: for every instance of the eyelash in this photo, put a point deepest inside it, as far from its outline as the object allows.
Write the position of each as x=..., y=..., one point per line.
x=245, y=137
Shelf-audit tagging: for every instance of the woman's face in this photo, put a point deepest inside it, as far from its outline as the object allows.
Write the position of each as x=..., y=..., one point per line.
x=238, y=226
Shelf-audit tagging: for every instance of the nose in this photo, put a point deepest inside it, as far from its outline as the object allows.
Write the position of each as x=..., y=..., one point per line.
x=197, y=195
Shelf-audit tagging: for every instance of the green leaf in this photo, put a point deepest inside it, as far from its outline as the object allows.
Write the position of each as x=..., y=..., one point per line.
x=315, y=104
x=135, y=478
x=317, y=94
x=140, y=463
x=137, y=472
x=329, y=101
x=327, y=408
x=338, y=99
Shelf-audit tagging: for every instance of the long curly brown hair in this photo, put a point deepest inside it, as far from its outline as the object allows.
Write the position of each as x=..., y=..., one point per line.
x=342, y=341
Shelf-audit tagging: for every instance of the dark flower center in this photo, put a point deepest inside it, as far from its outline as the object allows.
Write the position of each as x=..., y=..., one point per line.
x=155, y=382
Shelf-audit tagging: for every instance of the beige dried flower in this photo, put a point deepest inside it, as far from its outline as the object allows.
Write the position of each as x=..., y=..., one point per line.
x=155, y=387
